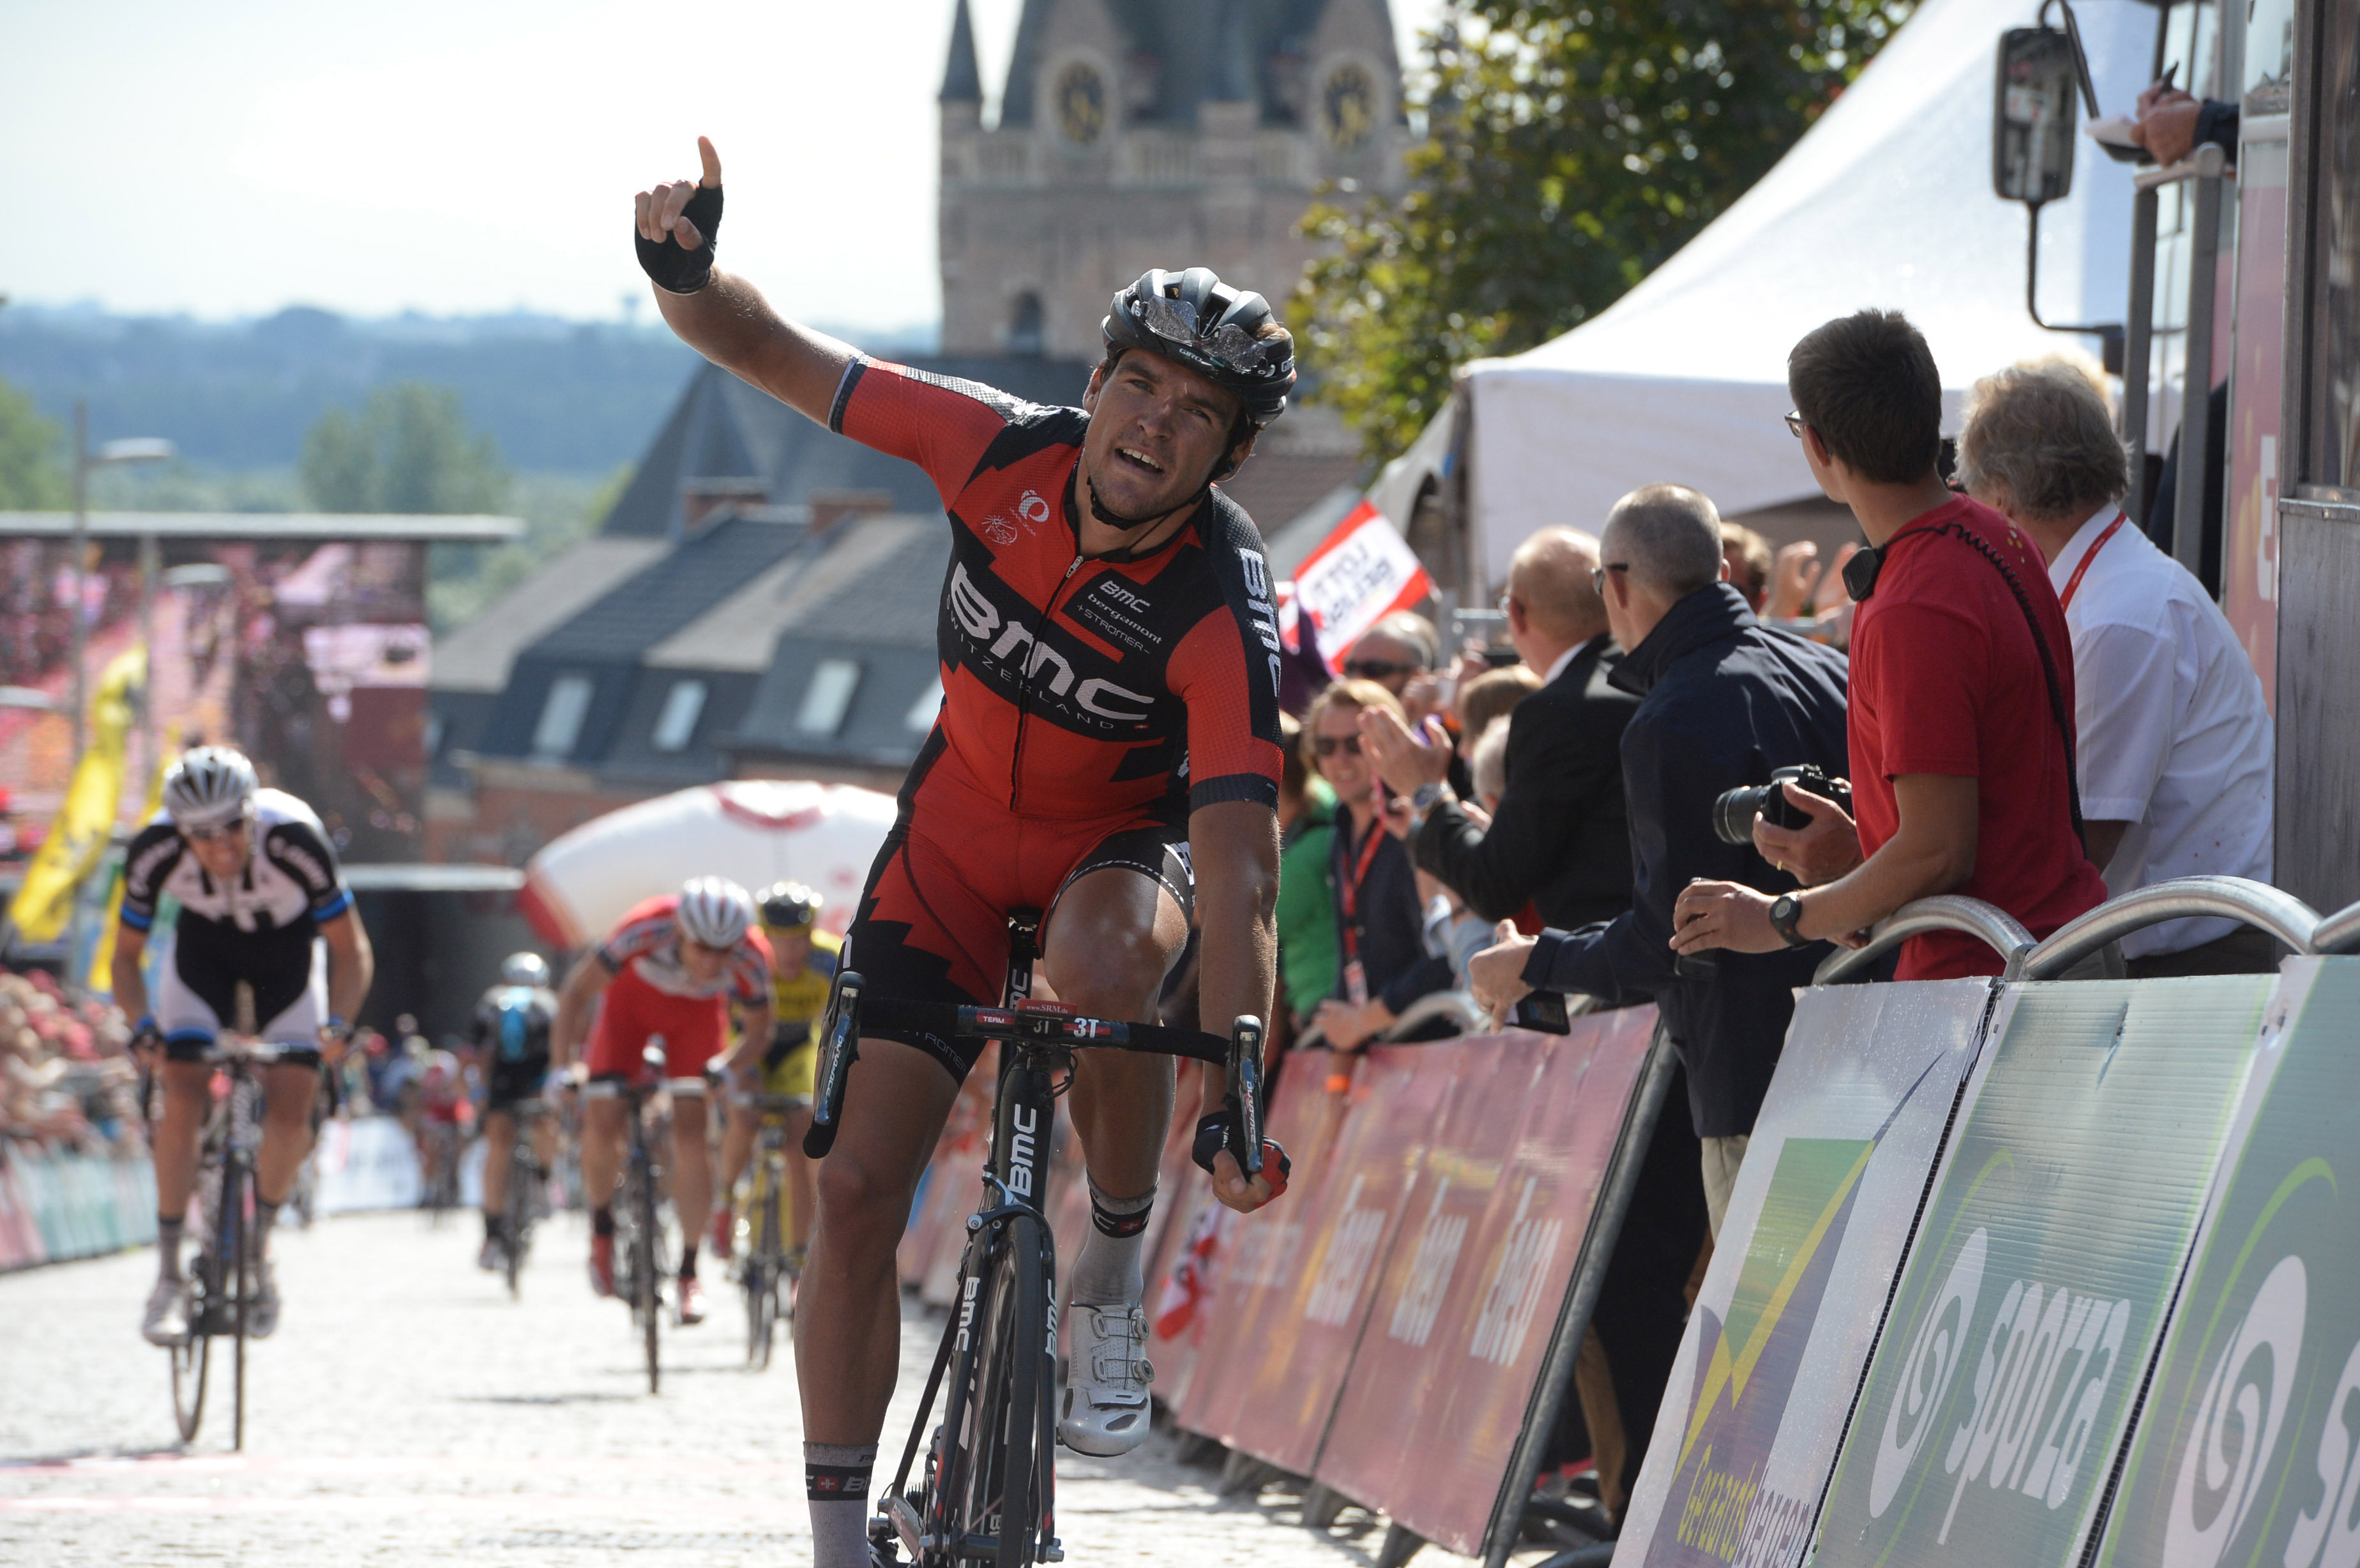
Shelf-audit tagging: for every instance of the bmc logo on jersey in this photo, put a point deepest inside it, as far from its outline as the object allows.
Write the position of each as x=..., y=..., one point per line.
x=1004, y=639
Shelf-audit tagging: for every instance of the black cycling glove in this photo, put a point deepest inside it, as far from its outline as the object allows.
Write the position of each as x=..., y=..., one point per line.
x=674, y=269
x=1221, y=1130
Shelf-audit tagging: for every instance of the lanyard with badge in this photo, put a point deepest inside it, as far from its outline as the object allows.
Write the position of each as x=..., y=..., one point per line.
x=1356, y=976
x=2073, y=583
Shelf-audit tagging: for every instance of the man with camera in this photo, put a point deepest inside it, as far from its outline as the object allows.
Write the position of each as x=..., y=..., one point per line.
x=1724, y=701
x=1962, y=719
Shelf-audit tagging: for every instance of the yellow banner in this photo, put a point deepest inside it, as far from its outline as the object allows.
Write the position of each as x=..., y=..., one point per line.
x=101, y=953
x=78, y=834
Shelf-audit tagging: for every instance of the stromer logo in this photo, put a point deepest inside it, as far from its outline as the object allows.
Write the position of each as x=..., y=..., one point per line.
x=1004, y=638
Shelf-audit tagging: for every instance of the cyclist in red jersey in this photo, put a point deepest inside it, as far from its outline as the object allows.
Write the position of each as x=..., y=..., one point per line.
x=671, y=969
x=1107, y=751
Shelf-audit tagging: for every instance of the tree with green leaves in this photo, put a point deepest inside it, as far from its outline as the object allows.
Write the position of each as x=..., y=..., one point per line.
x=1572, y=146
x=409, y=450
x=32, y=470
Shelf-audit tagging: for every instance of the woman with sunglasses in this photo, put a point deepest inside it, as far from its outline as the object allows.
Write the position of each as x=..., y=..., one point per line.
x=262, y=904
x=1380, y=916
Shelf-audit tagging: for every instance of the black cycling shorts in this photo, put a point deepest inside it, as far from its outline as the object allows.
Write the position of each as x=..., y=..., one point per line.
x=514, y=1081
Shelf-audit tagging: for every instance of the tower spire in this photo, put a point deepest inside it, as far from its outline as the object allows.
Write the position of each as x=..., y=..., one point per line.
x=962, y=83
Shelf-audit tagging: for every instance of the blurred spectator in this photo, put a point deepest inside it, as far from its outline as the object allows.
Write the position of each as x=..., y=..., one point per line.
x=1490, y=697
x=1748, y=554
x=1380, y=921
x=1724, y=701
x=1489, y=763
x=1559, y=838
x=1307, y=955
x=2175, y=743
x=1962, y=704
x=1403, y=654
x=2173, y=122
x=65, y=1078
x=1809, y=601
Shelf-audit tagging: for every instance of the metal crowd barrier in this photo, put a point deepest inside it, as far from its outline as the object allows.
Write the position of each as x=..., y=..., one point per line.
x=2257, y=903
x=1943, y=913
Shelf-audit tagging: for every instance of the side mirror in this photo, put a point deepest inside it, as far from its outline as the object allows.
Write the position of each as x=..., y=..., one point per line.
x=2034, y=115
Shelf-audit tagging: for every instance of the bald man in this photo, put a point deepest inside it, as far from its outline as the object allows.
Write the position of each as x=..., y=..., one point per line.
x=1559, y=840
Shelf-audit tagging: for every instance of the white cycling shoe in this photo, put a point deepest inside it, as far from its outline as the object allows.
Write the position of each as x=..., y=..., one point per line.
x=1106, y=1409
x=165, y=1320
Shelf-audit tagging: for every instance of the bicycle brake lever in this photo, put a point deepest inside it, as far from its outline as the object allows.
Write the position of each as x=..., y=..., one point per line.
x=839, y=1048
x=1245, y=1088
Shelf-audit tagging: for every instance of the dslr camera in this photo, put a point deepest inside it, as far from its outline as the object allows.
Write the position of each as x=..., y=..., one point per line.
x=1734, y=814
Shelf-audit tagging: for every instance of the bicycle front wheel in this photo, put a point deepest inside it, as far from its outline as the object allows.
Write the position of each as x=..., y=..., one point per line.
x=995, y=1480
x=192, y=1359
x=517, y=1220
x=234, y=1243
x=646, y=1267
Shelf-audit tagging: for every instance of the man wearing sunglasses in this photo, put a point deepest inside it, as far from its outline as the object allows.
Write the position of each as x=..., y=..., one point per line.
x=1107, y=751
x=262, y=905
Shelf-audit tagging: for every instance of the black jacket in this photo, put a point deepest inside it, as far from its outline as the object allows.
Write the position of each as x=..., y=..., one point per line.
x=1387, y=921
x=1561, y=839
x=1727, y=700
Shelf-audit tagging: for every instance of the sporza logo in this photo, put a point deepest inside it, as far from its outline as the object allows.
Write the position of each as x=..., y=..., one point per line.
x=1004, y=638
x=2237, y=1433
x=2046, y=1362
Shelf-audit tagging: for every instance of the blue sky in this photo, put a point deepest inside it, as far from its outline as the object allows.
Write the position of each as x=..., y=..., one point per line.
x=465, y=155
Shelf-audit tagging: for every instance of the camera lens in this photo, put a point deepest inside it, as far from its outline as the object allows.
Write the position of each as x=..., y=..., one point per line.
x=1734, y=814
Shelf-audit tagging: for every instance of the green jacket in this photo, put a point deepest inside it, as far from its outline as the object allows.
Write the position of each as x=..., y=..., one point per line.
x=1308, y=957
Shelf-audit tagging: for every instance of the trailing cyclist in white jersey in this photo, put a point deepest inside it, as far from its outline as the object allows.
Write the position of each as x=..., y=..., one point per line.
x=261, y=904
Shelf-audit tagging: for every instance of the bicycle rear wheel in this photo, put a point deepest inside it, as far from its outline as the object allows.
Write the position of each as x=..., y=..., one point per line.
x=994, y=1476
x=233, y=1240
x=765, y=1273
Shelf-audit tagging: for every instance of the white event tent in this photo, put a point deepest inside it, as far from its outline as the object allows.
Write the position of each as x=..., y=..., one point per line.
x=1886, y=201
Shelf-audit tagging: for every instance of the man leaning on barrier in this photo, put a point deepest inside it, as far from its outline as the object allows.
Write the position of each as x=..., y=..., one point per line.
x=1962, y=704
x=1723, y=701
x=2173, y=731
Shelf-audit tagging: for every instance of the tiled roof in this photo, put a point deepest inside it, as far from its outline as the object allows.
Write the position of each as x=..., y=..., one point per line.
x=479, y=655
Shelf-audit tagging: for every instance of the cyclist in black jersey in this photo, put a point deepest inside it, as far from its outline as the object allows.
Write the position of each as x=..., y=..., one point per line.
x=262, y=905
x=1107, y=751
x=511, y=1028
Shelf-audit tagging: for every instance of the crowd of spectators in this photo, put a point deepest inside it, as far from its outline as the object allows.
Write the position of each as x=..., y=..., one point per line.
x=2016, y=698
x=66, y=1082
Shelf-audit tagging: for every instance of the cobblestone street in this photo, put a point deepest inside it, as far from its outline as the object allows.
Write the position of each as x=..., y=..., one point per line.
x=409, y=1412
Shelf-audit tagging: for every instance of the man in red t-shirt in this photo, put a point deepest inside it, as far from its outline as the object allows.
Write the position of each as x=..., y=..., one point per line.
x=1960, y=715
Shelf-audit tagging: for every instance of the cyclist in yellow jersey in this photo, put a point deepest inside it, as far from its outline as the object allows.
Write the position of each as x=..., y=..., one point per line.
x=803, y=960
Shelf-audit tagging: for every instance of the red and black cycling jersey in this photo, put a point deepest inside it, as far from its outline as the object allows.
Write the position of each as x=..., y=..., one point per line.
x=1077, y=688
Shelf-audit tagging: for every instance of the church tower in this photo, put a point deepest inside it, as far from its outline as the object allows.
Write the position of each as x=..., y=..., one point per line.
x=1134, y=134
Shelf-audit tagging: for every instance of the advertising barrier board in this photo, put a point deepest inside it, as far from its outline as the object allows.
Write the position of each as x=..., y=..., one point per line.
x=1495, y=1201
x=2034, y=1291
x=59, y=1204
x=366, y=1162
x=1296, y=1283
x=2245, y=1451
x=1840, y=1157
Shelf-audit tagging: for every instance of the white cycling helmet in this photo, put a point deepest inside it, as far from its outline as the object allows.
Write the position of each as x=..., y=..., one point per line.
x=209, y=786
x=716, y=912
x=524, y=969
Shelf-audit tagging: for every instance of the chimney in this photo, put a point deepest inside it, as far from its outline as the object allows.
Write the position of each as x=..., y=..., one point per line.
x=830, y=507
x=700, y=500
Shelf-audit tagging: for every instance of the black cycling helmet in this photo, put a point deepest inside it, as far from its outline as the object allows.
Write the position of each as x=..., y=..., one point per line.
x=1194, y=319
x=788, y=906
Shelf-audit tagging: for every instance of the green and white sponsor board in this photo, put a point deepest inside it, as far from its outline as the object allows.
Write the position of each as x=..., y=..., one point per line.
x=2248, y=1449
x=2038, y=1280
x=1838, y=1163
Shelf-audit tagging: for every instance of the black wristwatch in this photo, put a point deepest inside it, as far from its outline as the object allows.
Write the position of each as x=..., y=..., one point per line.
x=1786, y=913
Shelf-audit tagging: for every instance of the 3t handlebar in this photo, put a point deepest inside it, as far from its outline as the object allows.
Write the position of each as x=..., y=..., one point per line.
x=850, y=1009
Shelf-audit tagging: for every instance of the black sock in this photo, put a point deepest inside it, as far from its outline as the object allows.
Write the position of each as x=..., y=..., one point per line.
x=602, y=1220
x=168, y=1246
x=266, y=1216
x=491, y=1225
x=688, y=1262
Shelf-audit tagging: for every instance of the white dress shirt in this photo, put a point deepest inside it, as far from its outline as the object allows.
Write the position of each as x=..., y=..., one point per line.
x=2174, y=735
